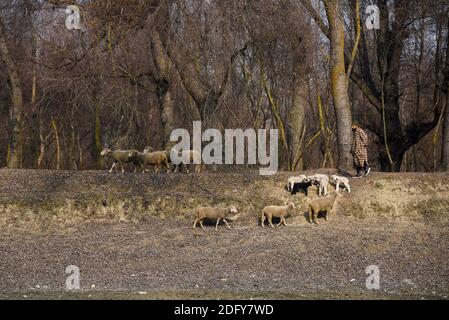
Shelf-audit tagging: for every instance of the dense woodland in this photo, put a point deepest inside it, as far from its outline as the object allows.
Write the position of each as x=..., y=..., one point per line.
x=140, y=68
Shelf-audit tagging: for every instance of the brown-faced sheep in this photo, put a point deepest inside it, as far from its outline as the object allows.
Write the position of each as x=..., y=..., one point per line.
x=119, y=156
x=157, y=159
x=321, y=205
x=277, y=212
x=203, y=213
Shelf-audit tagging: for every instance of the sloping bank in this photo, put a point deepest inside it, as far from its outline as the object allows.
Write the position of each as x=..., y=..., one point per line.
x=42, y=200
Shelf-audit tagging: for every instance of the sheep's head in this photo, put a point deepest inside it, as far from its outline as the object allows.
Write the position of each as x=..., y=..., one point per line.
x=148, y=149
x=132, y=153
x=105, y=151
x=232, y=209
x=291, y=206
x=313, y=179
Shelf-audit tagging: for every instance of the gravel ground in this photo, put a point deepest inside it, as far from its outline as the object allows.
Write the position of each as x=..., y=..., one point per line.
x=160, y=258
x=167, y=259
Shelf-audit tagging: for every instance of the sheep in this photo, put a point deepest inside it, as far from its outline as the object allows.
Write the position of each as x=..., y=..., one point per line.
x=192, y=156
x=299, y=187
x=119, y=156
x=156, y=158
x=320, y=205
x=203, y=213
x=344, y=181
x=292, y=180
x=276, y=211
x=323, y=182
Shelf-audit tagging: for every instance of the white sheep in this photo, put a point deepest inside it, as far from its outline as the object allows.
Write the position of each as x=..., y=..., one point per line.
x=276, y=211
x=295, y=179
x=323, y=182
x=344, y=181
x=203, y=213
x=120, y=157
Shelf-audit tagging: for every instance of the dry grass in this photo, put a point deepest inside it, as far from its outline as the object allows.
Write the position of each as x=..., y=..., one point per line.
x=37, y=201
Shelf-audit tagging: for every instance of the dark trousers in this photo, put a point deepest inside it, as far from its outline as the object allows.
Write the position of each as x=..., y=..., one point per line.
x=361, y=169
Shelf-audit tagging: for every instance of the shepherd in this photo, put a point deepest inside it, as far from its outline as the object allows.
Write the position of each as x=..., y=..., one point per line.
x=359, y=150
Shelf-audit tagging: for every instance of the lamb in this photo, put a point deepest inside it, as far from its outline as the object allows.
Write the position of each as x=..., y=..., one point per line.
x=193, y=156
x=119, y=156
x=277, y=212
x=344, y=181
x=292, y=180
x=156, y=158
x=300, y=187
x=321, y=205
x=203, y=213
x=323, y=182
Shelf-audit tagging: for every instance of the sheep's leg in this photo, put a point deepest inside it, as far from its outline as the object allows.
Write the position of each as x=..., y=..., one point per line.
x=121, y=165
x=337, y=185
x=113, y=165
x=284, y=222
x=262, y=220
x=315, y=217
x=227, y=224
x=156, y=170
x=201, y=224
x=325, y=216
x=270, y=220
x=216, y=224
x=187, y=169
x=195, y=222
x=348, y=188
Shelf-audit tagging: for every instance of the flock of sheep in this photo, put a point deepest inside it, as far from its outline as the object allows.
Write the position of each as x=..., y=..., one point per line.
x=150, y=157
x=294, y=184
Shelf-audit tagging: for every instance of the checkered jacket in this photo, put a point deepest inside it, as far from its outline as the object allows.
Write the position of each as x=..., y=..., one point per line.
x=358, y=149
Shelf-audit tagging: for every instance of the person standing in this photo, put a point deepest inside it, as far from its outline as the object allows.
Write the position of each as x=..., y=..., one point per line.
x=359, y=150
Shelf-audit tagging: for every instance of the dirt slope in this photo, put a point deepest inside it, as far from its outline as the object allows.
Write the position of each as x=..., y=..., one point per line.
x=132, y=232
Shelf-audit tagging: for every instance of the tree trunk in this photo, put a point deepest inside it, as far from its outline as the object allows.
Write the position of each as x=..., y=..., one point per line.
x=58, y=146
x=339, y=84
x=446, y=136
x=14, y=158
x=164, y=86
x=296, y=118
x=97, y=160
x=297, y=112
x=445, y=90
